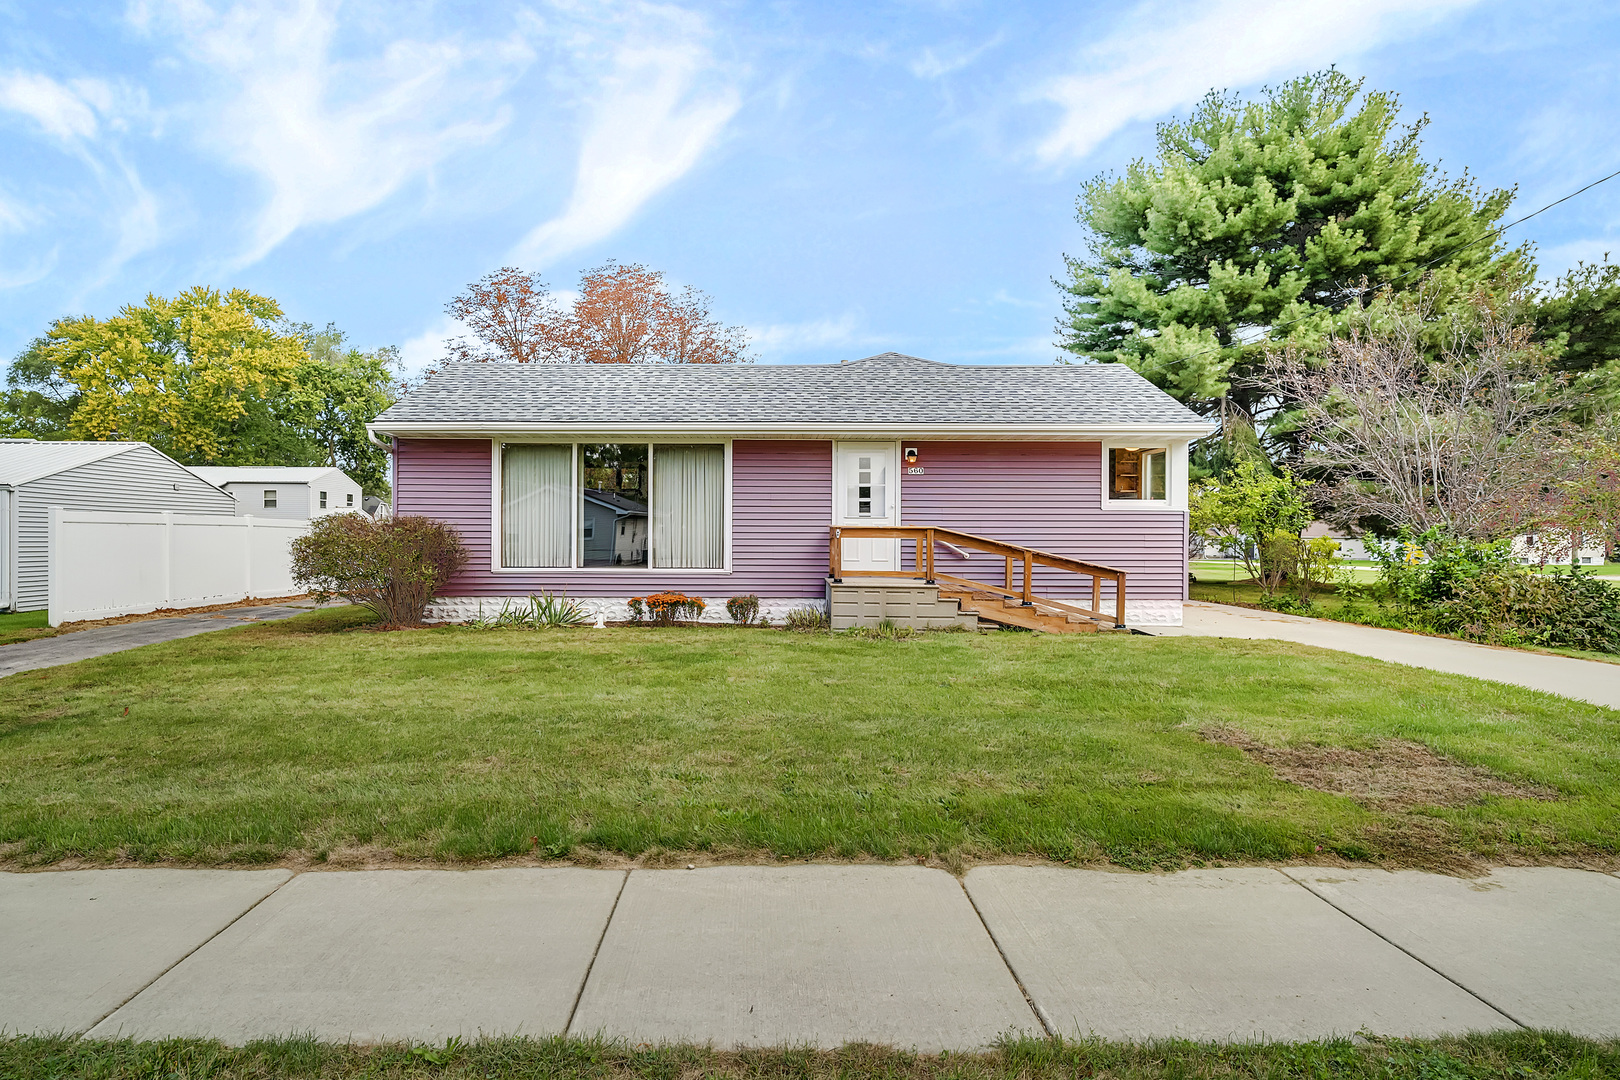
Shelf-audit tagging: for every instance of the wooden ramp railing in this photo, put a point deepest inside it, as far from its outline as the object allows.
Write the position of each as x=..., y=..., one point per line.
x=1025, y=559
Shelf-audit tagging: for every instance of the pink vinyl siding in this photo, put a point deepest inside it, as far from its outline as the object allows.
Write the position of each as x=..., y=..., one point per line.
x=1048, y=496
x=781, y=499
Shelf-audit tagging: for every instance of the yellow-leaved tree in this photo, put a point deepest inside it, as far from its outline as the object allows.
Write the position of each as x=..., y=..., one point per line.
x=175, y=373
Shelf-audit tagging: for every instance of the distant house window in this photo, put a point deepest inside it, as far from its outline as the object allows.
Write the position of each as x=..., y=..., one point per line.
x=350, y=497
x=1138, y=473
x=588, y=529
x=323, y=500
x=269, y=498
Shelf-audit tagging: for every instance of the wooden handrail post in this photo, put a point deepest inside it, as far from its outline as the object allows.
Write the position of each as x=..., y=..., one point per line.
x=1119, y=601
x=835, y=555
x=930, y=577
x=1007, y=582
x=1029, y=578
x=1096, y=592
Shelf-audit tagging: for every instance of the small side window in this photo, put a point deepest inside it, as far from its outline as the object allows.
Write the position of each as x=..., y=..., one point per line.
x=350, y=497
x=323, y=500
x=269, y=498
x=1137, y=473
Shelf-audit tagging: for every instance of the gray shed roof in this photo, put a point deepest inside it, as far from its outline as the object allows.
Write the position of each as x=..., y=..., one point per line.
x=889, y=389
x=22, y=461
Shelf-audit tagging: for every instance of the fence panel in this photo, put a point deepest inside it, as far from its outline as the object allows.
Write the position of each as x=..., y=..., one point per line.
x=109, y=563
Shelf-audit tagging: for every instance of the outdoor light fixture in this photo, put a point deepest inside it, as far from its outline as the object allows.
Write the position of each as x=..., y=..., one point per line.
x=911, y=455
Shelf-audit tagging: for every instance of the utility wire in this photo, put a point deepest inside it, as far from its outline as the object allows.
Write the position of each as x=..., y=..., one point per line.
x=1492, y=235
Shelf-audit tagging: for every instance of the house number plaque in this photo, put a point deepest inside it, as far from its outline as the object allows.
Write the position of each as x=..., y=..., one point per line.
x=914, y=470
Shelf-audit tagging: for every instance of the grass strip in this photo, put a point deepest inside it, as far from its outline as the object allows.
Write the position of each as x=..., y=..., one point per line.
x=1527, y=1055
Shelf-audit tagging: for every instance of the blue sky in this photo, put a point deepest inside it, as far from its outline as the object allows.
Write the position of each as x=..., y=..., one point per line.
x=842, y=178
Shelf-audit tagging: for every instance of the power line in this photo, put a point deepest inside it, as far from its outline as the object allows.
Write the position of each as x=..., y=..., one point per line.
x=1492, y=235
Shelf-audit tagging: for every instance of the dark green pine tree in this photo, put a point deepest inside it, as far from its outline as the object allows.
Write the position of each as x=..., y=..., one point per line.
x=1258, y=223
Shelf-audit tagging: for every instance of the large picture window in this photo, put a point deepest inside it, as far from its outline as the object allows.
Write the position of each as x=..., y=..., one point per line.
x=1138, y=473
x=613, y=505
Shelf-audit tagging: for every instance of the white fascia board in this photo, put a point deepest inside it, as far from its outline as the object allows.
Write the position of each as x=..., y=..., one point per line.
x=985, y=432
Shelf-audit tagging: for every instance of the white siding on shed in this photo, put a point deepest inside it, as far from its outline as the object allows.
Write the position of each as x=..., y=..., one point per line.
x=139, y=478
x=292, y=500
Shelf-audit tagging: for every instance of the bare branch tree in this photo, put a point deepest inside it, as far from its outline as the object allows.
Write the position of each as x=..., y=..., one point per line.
x=1469, y=442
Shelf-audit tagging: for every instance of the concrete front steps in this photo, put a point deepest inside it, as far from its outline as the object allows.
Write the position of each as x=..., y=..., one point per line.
x=906, y=602
x=868, y=601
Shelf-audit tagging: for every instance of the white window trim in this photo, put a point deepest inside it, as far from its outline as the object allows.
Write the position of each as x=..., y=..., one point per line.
x=574, y=442
x=1175, y=474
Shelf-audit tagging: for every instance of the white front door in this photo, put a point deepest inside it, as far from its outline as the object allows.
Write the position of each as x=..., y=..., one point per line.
x=866, y=491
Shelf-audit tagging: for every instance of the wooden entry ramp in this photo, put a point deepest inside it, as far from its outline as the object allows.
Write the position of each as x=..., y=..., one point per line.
x=1013, y=601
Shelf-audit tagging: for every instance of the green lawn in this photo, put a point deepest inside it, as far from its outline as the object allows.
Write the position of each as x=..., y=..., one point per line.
x=305, y=739
x=1361, y=572
x=24, y=626
x=1527, y=1055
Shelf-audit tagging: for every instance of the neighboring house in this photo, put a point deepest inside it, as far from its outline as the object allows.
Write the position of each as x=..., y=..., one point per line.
x=1350, y=547
x=1550, y=547
x=285, y=491
x=741, y=472
x=106, y=476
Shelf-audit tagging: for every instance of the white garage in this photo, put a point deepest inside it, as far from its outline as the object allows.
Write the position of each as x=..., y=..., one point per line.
x=92, y=476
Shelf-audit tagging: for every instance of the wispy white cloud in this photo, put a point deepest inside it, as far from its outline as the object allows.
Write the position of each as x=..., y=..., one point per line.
x=936, y=63
x=786, y=339
x=427, y=348
x=331, y=137
x=61, y=110
x=1167, y=55
x=663, y=104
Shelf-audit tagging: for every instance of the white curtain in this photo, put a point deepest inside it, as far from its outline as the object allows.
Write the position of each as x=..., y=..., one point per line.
x=536, y=490
x=689, y=507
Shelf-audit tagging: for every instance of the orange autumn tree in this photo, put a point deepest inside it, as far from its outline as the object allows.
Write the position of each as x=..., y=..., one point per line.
x=624, y=314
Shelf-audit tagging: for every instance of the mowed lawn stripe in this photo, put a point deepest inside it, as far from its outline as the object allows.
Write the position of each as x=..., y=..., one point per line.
x=311, y=736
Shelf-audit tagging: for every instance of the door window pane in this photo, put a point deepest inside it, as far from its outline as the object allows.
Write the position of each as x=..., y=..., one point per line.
x=868, y=496
x=613, y=504
x=689, y=506
x=535, y=492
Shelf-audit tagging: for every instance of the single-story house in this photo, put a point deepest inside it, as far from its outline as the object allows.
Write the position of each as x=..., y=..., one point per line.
x=278, y=491
x=1550, y=547
x=1350, y=546
x=108, y=476
x=1051, y=486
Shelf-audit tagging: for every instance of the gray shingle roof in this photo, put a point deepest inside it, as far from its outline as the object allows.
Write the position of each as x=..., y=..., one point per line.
x=887, y=389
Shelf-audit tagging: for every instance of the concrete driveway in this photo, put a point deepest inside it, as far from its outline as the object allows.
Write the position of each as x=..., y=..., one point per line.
x=1584, y=680
x=813, y=954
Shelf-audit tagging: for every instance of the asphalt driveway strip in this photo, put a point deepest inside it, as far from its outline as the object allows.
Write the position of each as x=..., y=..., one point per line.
x=102, y=640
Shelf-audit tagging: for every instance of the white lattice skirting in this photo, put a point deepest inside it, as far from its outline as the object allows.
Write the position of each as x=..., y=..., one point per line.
x=464, y=608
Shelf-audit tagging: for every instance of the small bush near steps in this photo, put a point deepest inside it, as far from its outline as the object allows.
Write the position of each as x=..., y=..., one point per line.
x=743, y=609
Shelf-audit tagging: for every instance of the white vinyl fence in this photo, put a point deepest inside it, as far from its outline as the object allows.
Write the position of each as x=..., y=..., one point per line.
x=109, y=563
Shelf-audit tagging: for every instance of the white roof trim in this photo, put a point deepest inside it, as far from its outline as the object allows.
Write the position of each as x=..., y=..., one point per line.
x=982, y=432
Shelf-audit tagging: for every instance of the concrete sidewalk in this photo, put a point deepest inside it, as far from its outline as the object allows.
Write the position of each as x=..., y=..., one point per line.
x=809, y=955
x=102, y=640
x=1584, y=680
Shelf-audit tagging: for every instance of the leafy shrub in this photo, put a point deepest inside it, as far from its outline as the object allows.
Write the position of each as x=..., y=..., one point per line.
x=394, y=566
x=807, y=620
x=538, y=612
x=666, y=608
x=1430, y=567
x=743, y=609
x=1513, y=606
